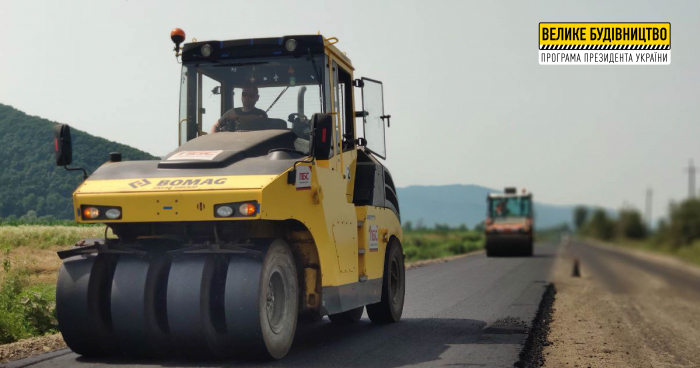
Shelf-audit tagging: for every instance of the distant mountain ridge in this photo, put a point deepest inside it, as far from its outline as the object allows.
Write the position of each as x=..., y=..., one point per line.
x=465, y=204
x=30, y=179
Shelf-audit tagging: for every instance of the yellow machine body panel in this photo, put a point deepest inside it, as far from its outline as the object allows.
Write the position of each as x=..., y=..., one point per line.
x=176, y=184
x=346, y=251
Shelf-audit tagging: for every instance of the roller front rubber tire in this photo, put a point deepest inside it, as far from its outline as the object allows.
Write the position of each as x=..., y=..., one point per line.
x=262, y=301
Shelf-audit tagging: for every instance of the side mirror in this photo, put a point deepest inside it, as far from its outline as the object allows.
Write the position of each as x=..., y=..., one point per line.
x=63, y=145
x=321, y=136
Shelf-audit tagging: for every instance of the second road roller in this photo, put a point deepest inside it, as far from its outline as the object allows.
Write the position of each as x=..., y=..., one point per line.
x=509, y=225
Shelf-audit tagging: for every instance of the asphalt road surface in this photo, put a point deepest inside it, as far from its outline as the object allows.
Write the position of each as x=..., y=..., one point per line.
x=473, y=311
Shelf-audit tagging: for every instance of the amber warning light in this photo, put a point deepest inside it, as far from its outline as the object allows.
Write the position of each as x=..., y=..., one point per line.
x=91, y=213
x=247, y=209
x=177, y=35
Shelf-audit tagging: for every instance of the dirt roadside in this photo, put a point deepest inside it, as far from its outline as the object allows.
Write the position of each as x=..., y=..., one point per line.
x=621, y=312
x=31, y=347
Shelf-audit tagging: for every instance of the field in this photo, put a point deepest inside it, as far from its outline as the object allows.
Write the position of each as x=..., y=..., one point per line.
x=28, y=276
x=431, y=243
x=30, y=266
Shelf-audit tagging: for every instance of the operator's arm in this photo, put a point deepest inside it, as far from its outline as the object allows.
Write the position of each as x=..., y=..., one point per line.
x=229, y=115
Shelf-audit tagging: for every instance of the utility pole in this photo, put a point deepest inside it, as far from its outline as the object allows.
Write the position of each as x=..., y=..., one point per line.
x=691, y=178
x=647, y=208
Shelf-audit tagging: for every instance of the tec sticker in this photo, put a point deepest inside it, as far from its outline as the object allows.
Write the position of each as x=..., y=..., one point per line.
x=303, y=177
x=195, y=155
x=373, y=238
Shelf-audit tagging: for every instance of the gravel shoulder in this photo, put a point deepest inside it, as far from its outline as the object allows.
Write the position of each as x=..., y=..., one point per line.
x=628, y=309
x=31, y=347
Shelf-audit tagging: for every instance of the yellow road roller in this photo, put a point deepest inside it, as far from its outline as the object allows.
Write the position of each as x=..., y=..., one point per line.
x=271, y=208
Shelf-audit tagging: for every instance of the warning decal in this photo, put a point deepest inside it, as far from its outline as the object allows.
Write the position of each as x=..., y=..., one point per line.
x=303, y=177
x=195, y=155
x=373, y=238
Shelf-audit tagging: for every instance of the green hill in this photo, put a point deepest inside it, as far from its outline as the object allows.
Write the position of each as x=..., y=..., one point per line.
x=29, y=177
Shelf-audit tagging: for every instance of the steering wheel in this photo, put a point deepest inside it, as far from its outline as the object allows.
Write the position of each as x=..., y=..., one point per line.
x=300, y=123
x=227, y=125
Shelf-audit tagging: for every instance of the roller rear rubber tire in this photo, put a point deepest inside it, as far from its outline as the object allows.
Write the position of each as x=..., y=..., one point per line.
x=390, y=308
x=351, y=316
x=82, y=304
x=262, y=301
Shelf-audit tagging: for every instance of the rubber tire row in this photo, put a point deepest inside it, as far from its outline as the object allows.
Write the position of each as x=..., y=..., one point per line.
x=517, y=249
x=198, y=305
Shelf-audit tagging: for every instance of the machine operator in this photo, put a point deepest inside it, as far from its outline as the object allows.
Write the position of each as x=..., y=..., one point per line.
x=249, y=98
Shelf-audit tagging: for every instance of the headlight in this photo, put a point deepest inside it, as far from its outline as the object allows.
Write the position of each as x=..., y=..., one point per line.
x=113, y=213
x=291, y=44
x=206, y=50
x=224, y=211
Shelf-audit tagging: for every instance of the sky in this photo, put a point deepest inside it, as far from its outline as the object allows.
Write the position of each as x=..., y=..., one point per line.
x=469, y=102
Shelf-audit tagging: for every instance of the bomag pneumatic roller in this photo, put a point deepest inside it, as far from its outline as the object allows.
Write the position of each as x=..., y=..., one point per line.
x=225, y=242
x=509, y=224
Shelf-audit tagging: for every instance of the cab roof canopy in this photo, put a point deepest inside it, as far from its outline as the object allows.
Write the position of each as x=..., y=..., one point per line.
x=253, y=47
x=233, y=53
x=508, y=195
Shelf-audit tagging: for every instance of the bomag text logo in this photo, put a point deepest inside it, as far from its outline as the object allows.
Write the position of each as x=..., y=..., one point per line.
x=189, y=183
x=178, y=183
x=604, y=44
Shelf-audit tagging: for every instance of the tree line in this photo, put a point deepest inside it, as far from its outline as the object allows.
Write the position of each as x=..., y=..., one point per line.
x=680, y=229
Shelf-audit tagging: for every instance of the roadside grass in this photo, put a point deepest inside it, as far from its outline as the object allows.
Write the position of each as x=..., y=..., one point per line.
x=429, y=244
x=21, y=222
x=26, y=309
x=45, y=236
x=29, y=267
x=33, y=247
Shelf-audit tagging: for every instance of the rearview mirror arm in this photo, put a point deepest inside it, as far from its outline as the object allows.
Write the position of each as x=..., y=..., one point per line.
x=85, y=175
